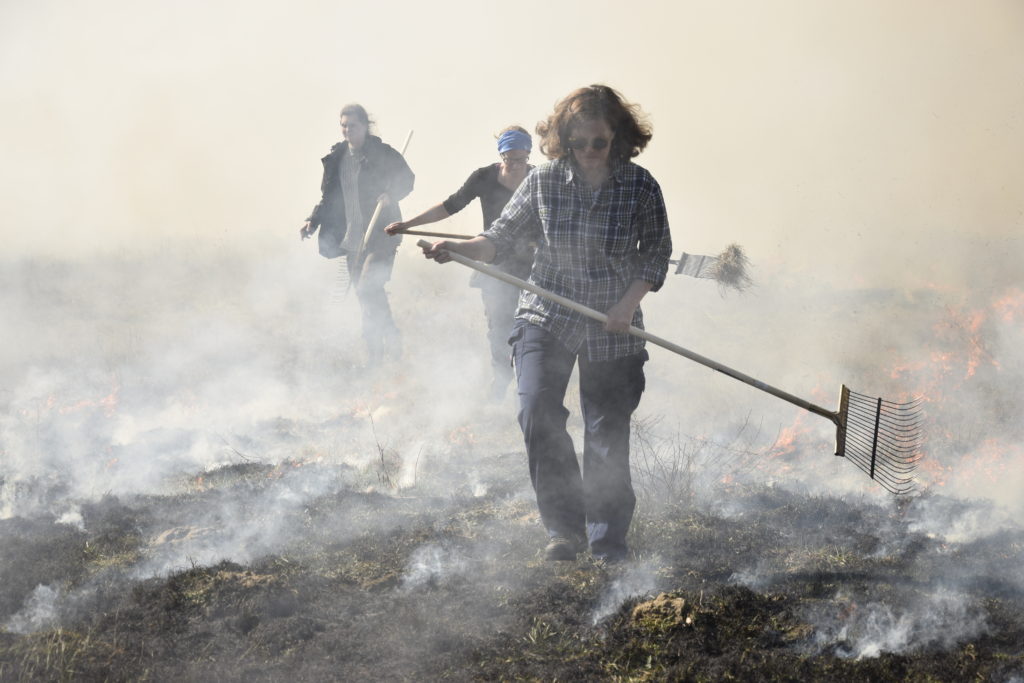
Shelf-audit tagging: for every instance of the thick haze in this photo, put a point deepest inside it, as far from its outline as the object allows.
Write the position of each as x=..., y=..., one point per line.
x=161, y=318
x=864, y=143
x=158, y=160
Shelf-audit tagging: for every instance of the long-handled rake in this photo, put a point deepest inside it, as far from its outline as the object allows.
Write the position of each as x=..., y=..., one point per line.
x=882, y=438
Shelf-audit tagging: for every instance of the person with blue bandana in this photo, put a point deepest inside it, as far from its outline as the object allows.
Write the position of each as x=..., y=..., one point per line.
x=493, y=185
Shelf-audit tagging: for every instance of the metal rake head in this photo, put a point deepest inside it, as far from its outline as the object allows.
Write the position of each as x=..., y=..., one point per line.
x=882, y=438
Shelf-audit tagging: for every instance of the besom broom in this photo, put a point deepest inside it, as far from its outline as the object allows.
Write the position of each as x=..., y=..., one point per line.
x=882, y=438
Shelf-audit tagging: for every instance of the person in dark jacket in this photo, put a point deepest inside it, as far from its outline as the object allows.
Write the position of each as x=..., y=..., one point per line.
x=493, y=185
x=359, y=173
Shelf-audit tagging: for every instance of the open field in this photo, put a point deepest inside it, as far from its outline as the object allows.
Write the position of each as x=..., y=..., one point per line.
x=193, y=487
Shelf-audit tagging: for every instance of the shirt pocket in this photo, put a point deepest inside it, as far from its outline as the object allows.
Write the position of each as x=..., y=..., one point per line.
x=618, y=237
x=563, y=225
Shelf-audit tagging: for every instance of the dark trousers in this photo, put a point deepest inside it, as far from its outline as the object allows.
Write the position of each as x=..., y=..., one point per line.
x=599, y=501
x=379, y=330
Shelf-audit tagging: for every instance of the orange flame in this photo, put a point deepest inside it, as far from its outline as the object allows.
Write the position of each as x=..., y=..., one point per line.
x=787, y=441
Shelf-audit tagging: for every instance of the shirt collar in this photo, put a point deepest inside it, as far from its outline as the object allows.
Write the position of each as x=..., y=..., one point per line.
x=617, y=171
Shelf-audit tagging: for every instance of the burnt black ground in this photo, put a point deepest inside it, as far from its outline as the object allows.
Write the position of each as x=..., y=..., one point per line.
x=387, y=585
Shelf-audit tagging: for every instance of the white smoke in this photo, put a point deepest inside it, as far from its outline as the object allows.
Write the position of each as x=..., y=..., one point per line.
x=73, y=517
x=941, y=619
x=755, y=578
x=635, y=580
x=956, y=520
x=433, y=565
x=40, y=611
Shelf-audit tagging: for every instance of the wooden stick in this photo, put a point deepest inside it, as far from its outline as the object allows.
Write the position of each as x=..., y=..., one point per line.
x=447, y=235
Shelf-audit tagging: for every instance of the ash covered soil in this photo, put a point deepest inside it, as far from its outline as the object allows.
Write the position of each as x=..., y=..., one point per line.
x=381, y=585
x=196, y=485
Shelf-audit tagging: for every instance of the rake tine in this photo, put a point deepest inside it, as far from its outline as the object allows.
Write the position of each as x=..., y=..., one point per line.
x=894, y=484
x=915, y=401
x=866, y=440
x=902, y=414
x=905, y=460
x=900, y=467
x=887, y=467
x=889, y=483
x=901, y=436
x=898, y=412
x=894, y=424
x=894, y=408
x=885, y=471
x=897, y=408
x=904, y=447
x=890, y=469
x=896, y=431
x=904, y=467
x=889, y=405
x=903, y=422
x=892, y=428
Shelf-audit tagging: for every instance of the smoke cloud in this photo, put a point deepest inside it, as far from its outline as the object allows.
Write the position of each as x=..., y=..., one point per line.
x=940, y=620
x=40, y=611
x=636, y=580
x=162, y=321
x=433, y=564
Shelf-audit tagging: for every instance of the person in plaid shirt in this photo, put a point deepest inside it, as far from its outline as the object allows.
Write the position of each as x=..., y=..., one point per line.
x=602, y=235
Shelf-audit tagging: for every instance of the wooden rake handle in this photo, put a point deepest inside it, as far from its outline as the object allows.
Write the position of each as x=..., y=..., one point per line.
x=637, y=332
x=444, y=235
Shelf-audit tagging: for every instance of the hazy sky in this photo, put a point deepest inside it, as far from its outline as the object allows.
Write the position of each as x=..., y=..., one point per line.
x=861, y=142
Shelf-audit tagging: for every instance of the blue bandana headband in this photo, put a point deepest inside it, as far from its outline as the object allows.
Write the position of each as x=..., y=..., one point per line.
x=513, y=139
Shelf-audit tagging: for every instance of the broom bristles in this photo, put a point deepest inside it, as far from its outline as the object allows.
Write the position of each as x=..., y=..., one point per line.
x=730, y=269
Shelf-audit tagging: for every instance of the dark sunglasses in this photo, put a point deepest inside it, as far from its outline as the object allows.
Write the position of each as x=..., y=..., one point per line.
x=595, y=143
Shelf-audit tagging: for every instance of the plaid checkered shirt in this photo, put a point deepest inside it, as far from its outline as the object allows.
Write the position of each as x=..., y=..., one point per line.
x=591, y=246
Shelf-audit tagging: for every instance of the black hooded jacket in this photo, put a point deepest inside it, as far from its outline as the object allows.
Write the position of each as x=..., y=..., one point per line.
x=383, y=171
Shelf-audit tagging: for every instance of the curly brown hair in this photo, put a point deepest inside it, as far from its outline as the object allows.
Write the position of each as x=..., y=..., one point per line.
x=627, y=121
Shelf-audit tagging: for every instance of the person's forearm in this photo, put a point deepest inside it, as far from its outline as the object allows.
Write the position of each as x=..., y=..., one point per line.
x=479, y=249
x=431, y=215
x=635, y=292
x=620, y=316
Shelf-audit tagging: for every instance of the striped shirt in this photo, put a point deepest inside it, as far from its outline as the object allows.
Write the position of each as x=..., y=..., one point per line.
x=591, y=246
